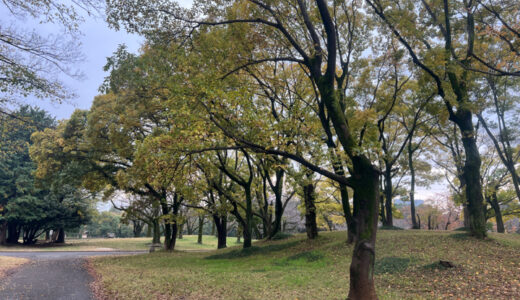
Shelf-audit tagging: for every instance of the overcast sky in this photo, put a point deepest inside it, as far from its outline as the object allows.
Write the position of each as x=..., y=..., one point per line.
x=98, y=42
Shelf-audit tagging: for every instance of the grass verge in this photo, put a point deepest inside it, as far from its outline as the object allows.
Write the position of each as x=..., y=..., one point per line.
x=188, y=242
x=296, y=268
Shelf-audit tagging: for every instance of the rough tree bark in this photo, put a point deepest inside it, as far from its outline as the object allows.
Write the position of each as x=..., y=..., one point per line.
x=156, y=229
x=175, y=227
x=366, y=197
x=201, y=229
x=311, y=226
x=13, y=233
x=137, y=227
x=472, y=163
x=167, y=223
x=61, y=236
x=221, y=226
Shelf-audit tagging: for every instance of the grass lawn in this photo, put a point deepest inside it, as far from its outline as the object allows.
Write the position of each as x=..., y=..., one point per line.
x=7, y=263
x=406, y=268
x=188, y=242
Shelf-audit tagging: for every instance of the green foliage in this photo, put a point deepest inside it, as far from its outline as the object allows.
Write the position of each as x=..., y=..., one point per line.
x=31, y=205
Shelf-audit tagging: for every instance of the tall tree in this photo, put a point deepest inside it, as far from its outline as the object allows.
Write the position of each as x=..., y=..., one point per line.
x=321, y=57
x=435, y=32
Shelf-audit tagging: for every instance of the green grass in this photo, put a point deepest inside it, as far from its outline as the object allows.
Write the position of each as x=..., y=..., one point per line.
x=187, y=243
x=295, y=268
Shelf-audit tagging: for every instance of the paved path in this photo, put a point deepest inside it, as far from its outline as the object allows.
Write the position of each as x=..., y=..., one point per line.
x=50, y=276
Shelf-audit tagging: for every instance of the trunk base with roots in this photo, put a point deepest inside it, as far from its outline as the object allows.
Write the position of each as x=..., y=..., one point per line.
x=61, y=236
x=220, y=224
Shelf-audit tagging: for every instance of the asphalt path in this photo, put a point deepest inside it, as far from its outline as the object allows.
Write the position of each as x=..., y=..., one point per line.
x=50, y=275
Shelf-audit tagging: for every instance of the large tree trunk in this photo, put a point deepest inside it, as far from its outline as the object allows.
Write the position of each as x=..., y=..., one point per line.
x=181, y=231
x=13, y=233
x=175, y=227
x=137, y=228
x=366, y=198
x=156, y=232
x=173, y=240
x=3, y=233
x=201, y=229
x=311, y=226
x=472, y=163
x=221, y=226
x=61, y=236
x=167, y=224
x=466, y=216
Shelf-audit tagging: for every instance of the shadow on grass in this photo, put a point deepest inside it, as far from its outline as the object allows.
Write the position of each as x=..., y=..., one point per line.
x=281, y=236
x=462, y=229
x=254, y=250
x=390, y=228
x=461, y=236
x=391, y=265
x=435, y=266
x=300, y=259
x=308, y=256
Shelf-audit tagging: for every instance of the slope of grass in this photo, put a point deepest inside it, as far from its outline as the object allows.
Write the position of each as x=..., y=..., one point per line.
x=406, y=268
x=188, y=242
x=7, y=263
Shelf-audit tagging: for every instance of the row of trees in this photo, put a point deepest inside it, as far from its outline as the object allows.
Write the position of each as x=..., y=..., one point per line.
x=234, y=108
x=309, y=81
